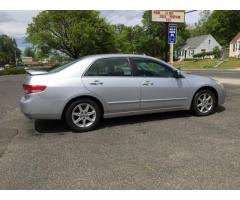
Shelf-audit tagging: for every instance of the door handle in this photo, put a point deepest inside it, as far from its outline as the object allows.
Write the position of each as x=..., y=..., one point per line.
x=147, y=83
x=96, y=82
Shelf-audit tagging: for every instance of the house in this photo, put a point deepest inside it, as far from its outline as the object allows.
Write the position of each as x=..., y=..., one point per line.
x=234, y=47
x=27, y=60
x=196, y=45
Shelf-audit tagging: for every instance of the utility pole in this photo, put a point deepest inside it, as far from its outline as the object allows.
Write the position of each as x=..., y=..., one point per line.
x=166, y=42
x=15, y=54
x=171, y=54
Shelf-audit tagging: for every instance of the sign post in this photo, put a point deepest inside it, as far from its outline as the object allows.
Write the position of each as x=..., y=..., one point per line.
x=172, y=38
x=169, y=17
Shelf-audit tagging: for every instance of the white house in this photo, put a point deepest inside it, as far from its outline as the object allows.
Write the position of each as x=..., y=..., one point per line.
x=195, y=45
x=234, y=47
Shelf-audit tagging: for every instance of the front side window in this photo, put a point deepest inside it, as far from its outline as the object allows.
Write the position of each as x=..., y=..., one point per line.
x=151, y=68
x=110, y=67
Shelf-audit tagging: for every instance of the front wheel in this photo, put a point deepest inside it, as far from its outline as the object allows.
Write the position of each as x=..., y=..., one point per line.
x=203, y=103
x=83, y=115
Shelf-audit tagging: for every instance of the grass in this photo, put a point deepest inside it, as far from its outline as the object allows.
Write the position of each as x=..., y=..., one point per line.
x=229, y=63
x=198, y=64
x=11, y=71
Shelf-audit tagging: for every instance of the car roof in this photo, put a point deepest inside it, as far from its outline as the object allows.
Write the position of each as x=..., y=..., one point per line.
x=97, y=56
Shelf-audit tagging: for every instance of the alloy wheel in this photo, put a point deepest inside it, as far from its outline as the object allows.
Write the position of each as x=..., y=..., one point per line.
x=83, y=115
x=205, y=103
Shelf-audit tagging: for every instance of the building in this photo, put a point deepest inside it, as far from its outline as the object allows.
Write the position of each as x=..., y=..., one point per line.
x=234, y=47
x=27, y=60
x=196, y=45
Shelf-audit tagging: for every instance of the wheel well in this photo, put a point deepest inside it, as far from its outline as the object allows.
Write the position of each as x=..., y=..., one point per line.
x=83, y=97
x=208, y=88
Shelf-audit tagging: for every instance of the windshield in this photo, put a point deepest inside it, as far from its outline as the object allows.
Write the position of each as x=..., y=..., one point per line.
x=61, y=67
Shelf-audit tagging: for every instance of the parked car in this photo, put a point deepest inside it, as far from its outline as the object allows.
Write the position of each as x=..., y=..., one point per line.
x=104, y=86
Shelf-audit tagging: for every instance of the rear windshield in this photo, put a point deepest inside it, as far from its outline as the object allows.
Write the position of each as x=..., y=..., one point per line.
x=64, y=66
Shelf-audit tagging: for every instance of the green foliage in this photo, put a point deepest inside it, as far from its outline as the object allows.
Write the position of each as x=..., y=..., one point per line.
x=200, y=28
x=8, y=50
x=222, y=24
x=74, y=32
x=29, y=52
x=203, y=54
x=11, y=71
x=217, y=52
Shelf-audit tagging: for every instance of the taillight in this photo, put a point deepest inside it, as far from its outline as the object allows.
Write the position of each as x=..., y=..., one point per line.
x=34, y=88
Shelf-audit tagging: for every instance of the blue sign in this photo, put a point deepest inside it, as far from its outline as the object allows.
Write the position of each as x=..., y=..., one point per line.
x=172, y=34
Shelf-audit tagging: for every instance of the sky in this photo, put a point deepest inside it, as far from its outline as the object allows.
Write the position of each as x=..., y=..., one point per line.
x=14, y=23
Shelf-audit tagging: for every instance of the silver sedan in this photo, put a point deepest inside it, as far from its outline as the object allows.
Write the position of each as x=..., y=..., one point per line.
x=113, y=85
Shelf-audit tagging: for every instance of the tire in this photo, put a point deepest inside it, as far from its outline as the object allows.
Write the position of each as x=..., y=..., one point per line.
x=83, y=115
x=202, y=107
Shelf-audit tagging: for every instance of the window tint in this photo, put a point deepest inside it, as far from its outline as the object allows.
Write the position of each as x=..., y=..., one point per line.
x=150, y=68
x=110, y=67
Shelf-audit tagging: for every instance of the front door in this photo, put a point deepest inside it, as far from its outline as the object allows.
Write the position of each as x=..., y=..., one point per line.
x=111, y=79
x=159, y=88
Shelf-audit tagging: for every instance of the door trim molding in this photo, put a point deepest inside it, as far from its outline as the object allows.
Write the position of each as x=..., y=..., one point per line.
x=170, y=99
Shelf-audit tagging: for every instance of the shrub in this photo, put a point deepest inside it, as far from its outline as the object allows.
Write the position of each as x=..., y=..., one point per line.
x=217, y=52
x=11, y=71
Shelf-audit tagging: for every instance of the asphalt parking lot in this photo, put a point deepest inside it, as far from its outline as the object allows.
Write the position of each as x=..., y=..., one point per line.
x=161, y=151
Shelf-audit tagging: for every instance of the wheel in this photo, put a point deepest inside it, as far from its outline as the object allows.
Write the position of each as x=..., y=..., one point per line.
x=83, y=115
x=204, y=102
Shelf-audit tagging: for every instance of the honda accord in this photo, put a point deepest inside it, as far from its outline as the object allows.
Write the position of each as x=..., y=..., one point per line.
x=113, y=85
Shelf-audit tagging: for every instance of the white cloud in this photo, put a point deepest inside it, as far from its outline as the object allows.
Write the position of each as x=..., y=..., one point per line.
x=127, y=17
x=14, y=23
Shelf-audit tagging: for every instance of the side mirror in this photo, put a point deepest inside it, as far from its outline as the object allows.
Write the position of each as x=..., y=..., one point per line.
x=177, y=74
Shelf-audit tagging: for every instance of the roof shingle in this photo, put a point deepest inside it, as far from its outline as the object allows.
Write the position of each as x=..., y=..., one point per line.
x=194, y=42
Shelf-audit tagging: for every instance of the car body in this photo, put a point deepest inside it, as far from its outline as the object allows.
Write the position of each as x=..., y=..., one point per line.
x=135, y=87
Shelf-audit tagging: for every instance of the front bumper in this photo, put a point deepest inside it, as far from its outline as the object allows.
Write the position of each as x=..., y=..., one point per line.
x=221, y=95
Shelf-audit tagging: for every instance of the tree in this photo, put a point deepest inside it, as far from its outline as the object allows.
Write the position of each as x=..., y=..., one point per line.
x=217, y=52
x=29, y=52
x=8, y=50
x=151, y=38
x=223, y=25
x=200, y=28
x=75, y=33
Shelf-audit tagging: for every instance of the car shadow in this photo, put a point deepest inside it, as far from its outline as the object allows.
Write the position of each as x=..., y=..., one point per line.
x=59, y=126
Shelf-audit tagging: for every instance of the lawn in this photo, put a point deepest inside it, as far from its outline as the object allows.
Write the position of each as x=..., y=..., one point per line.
x=229, y=63
x=13, y=70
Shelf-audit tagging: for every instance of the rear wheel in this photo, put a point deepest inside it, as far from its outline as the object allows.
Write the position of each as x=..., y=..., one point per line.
x=204, y=102
x=83, y=115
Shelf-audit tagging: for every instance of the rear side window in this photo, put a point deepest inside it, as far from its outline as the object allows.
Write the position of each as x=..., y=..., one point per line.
x=110, y=67
x=151, y=68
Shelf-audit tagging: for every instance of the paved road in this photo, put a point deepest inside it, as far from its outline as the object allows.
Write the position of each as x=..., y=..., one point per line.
x=235, y=74
x=161, y=151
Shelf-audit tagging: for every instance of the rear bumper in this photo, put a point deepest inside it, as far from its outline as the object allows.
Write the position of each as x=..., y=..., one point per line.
x=35, y=108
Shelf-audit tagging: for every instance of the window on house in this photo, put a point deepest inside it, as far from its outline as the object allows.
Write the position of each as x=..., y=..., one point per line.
x=192, y=52
x=203, y=50
x=209, y=41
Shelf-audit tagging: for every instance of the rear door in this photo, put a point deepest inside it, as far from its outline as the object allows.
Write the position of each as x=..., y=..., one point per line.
x=159, y=88
x=112, y=80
